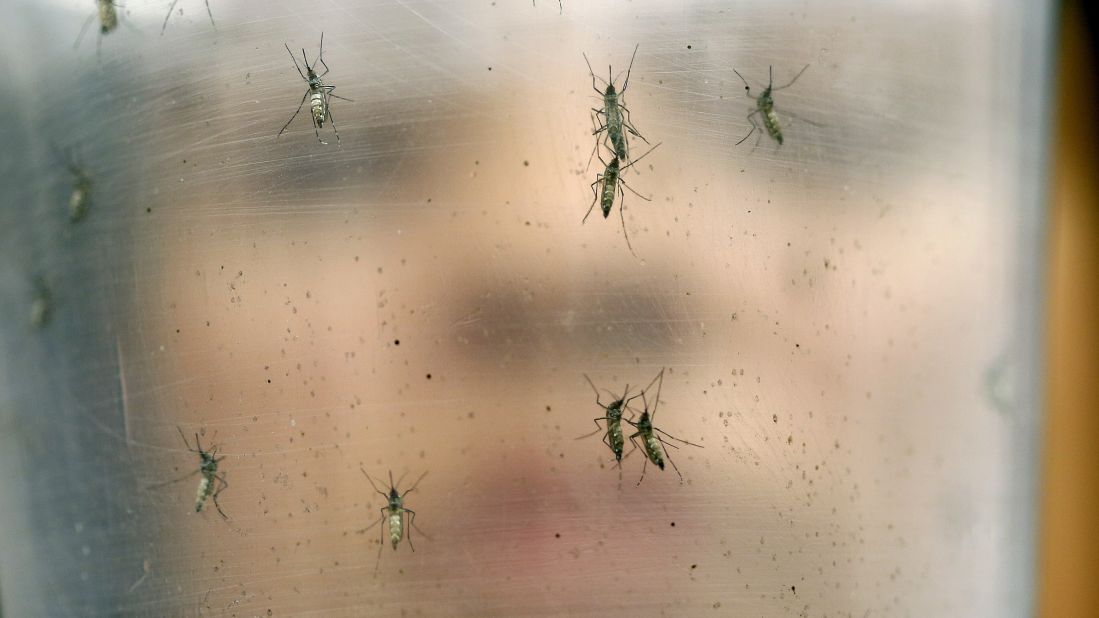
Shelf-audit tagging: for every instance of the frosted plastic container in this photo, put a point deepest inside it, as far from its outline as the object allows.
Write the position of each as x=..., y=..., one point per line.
x=849, y=321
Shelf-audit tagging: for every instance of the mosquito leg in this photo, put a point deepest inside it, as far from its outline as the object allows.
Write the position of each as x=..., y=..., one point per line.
x=791, y=82
x=622, y=215
x=677, y=439
x=214, y=497
x=182, y=478
x=84, y=30
x=595, y=198
x=408, y=532
x=211, y=14
x=669, y=457
x=295, y=61
x=333, y=121
x=381, y=541
x=754, y=128
x=169, y=15
x=629, y=124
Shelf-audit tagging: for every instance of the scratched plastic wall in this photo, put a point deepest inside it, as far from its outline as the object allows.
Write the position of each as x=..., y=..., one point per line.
x=847, y=321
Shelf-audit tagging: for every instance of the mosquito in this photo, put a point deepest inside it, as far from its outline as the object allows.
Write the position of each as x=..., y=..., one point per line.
x=108, y=21
x=614, y=114
x=653, y=445
x=609, y=182
x=613, y=418
x=41, y=304
x=395, y=512
x=173, y=5
x=80, y=198
x=765, y=106
x=211, y=484
x=318, y=93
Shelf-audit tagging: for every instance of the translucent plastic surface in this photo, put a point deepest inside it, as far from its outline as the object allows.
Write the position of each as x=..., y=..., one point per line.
x=848, y=320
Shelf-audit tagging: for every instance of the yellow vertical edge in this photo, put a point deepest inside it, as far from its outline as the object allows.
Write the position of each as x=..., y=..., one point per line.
x=1069, y=535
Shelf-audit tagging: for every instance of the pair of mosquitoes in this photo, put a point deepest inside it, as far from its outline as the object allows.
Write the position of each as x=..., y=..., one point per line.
x=212, y=483
x=612, y=122
x=648, y=438
x=107, y=12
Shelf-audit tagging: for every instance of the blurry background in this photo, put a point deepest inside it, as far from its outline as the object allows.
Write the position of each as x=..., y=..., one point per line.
x=851, y=323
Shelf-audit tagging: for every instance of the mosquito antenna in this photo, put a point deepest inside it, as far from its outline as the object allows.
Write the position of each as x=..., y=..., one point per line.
x=295, y=60
x=747, y=86
x=625, y=392
x=185, y=442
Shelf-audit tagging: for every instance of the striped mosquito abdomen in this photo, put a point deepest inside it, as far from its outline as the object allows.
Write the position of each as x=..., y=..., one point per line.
x=770, y=121
x=396, y=527
x=614, y=122
x=317, y=105
x=652, y=449
x=614, y=431
x=204, y=487
x=610, y=186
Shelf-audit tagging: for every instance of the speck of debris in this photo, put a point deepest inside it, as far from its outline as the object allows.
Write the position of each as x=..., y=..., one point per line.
x=694, y=566
x=557, y=535
x=429, y=376
x=526, y=163
x=396, y=342
x=548, y=409
x=794, y=589
x=490, y=68
x=673, y=524
x=688, y=47
x=268, y=380
x=774, y=418
x=148, y=210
